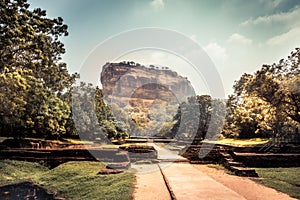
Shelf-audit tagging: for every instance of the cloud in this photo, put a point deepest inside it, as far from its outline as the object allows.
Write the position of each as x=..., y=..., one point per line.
x=194, y=37
x=217, y=53
x=275, y=3
x=157, y=4
x=288, y=37
x=271, y=3
x=238, y=38
x=291, y=17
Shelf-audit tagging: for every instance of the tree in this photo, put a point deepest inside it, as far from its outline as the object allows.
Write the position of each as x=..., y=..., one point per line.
x=30, y=40
x=277, y=84
x=201, y=117
x=83, y=112
x=269, y=100
x=204, y=104
x=230, y=128
x=254, y=117
x=94, y=119
x=33, y=78
x=29, y=107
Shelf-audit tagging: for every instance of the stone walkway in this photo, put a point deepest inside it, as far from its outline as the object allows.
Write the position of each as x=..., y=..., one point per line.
x=183, y=181
x=150, y=184
x=165, y=155
x=187, y=182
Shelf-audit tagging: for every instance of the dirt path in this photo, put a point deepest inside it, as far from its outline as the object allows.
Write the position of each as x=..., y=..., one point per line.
x=245, y=187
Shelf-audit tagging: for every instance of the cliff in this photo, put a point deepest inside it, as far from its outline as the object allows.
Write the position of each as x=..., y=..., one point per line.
x=128, y=81
x=144, y=98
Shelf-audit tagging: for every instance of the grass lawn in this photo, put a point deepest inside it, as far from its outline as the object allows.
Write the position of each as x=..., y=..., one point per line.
x=286, y=180
x=78, y=141
x=241, y=142
x=74, y=180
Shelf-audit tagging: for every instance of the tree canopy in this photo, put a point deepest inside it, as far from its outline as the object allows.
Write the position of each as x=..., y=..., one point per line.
x=30, y=40
x=32, y=74
x=200, y=117
x=94, y=119
x=36, y=87
x=267, y=103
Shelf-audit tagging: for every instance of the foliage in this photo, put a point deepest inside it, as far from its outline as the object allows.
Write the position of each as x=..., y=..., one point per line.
x=94, y=119
x=144, y=117
x=267, y=103
x=241, y=142
x=33, y=78
x=253, y=117
x=166, y=128
x=30, y=40
x=28, y=107
x=74, y=180
x=201, y=117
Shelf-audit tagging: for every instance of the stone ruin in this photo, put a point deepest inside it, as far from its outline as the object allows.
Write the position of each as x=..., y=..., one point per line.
x=27, y=191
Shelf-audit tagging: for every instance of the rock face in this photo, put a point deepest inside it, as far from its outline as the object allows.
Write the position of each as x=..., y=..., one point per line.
x=143, y=98
x=129, y=82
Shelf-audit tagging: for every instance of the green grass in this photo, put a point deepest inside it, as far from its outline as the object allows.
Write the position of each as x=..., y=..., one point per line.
x=286, y=180
x=74, y=180
x=15, y=171
x=110, y=146
x=78, y=141
x=241, y=142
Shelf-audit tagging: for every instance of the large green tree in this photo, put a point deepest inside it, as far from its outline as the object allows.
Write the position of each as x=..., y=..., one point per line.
x=28, y=108
x=92, y=116
x=33, y=78
x=30, y=40
x=268, y=102
x=200, y=117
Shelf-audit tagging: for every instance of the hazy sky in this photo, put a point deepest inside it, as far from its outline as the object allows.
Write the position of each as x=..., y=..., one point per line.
x=238, y=35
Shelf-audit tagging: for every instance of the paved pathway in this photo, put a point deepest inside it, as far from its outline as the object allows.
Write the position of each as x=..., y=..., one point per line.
x=164, y=154
x=150, y=184
x=244, y=186
x=186, y=182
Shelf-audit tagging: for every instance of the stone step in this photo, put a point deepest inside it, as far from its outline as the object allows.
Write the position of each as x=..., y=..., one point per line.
x=228, y=160
x=275, y=149
x=146, y=162
x=235, y=164
x=106, y=171
x=174, y=160
x=121, y=157
x=119, y=165
x=244, y=171
x=200, y=162
x=225, y=155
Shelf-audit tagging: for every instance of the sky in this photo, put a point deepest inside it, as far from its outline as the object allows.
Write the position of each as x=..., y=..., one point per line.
x=238, y=36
